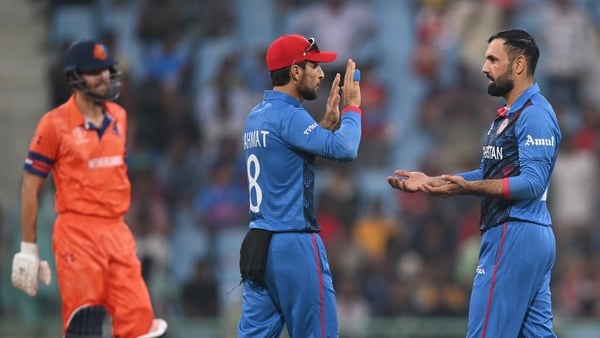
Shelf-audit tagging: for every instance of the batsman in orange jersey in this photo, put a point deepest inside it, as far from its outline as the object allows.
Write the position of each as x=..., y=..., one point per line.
x=83, y=143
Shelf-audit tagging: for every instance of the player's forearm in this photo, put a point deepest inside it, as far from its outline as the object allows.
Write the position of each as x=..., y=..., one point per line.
x=29, y=213
x=473, y=175
x=346, y=139
x=492, y=188
x=436, y=181
x=328, y=123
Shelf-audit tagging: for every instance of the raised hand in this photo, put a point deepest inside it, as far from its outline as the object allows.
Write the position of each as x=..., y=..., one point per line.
x=351, y=88
x=332, y=109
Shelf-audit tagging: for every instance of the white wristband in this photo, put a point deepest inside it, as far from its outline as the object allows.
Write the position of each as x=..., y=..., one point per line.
x=29, y=248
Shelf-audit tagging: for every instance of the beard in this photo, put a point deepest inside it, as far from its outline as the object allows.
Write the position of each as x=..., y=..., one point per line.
x=307, y=93
x=100, y=90
x=502, y=85
x=109, y=91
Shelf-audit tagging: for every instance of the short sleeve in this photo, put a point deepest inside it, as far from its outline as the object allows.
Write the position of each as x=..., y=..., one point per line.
x=43, y=148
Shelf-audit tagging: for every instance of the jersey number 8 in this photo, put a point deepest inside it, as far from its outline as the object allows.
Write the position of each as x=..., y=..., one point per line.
x=251, y=163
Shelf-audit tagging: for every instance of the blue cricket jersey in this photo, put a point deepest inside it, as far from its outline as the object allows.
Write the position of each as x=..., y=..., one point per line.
x=521, y=147
x=281, y=141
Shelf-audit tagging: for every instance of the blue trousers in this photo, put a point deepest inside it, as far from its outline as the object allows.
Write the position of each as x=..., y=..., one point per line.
x=511, y=289
x=298, y=292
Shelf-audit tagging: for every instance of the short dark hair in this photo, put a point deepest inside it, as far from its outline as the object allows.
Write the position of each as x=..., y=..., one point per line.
x=281, y=77
x=517, y=41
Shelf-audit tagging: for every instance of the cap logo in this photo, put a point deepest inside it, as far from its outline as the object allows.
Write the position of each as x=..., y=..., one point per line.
x=99, y=52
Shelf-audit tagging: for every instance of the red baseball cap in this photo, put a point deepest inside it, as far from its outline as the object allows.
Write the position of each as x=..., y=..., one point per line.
x=295, y=48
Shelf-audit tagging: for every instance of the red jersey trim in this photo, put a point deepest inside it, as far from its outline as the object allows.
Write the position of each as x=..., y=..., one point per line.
x=506, y=187
x=352, y=108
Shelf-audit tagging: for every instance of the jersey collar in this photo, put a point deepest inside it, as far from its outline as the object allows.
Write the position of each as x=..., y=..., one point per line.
x=277, y=95
x=76, y=118
x=521, y=100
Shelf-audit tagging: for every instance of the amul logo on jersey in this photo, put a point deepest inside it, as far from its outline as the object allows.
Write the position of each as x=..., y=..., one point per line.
x=547, y=142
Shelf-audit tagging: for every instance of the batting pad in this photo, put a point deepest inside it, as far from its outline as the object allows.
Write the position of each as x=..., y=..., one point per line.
x=86, y=322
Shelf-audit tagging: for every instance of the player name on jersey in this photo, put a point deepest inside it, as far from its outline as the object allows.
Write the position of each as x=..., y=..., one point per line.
x=105, y=162
x=255, y=138
x=492, y=153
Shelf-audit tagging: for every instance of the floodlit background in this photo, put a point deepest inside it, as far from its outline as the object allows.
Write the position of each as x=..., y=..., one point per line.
x=402, y=263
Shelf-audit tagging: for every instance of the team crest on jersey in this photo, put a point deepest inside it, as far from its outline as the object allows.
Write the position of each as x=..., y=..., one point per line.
x=79, y=135
x=503, y=125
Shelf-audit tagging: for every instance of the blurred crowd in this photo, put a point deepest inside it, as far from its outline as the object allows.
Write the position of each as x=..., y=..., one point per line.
x=191, y=70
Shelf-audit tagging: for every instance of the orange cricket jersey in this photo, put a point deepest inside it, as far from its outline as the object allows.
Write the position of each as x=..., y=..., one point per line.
x=89, y=170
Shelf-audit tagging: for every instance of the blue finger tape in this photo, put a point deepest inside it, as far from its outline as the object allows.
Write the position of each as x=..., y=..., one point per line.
x=357, y=75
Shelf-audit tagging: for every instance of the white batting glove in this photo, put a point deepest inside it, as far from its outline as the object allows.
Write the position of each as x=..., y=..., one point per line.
x=27, y=269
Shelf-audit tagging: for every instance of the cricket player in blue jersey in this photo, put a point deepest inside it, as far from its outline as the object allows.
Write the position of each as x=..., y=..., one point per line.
x=511, y=289
x=283, y=263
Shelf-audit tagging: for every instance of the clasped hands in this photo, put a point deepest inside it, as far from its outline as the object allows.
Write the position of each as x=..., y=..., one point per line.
x=413, y=181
